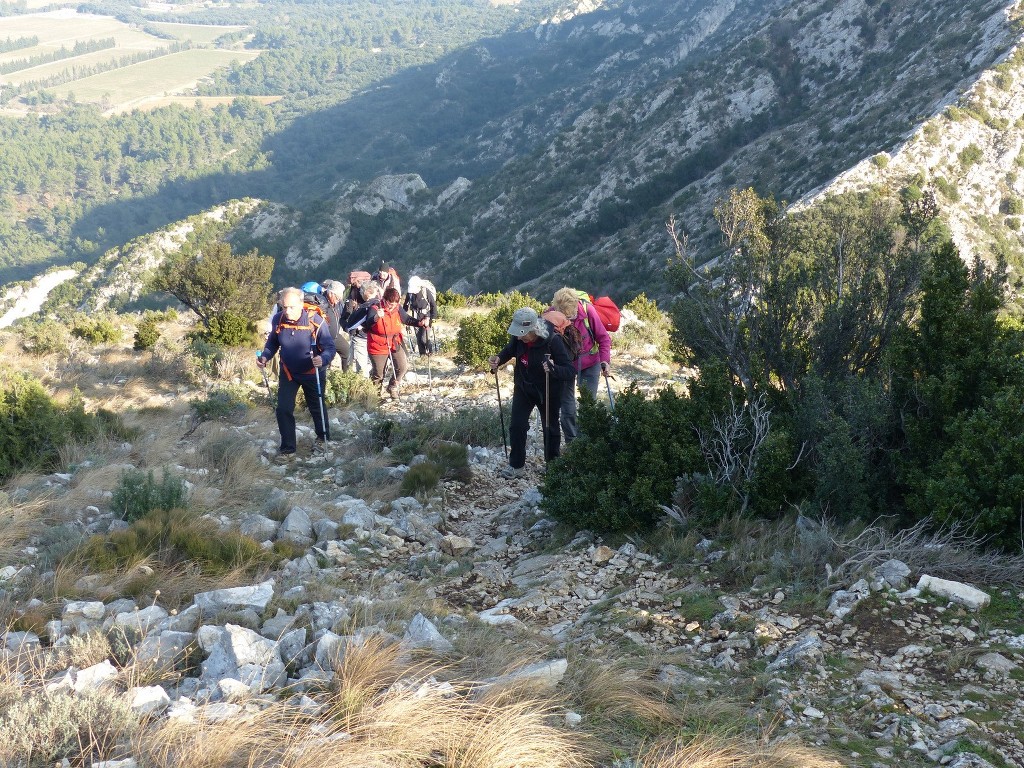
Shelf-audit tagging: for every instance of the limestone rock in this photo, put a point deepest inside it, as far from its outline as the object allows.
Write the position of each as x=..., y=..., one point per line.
x=970, y=597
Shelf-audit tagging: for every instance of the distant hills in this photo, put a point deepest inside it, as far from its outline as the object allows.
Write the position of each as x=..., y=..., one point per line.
x=551, y=143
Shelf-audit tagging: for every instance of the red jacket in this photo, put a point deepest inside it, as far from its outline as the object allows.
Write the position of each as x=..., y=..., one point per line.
x=384, y=329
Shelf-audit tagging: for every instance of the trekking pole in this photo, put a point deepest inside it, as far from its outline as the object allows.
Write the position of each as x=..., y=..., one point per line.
x=501, y=413
x=547, y=406
x=266, y=381
x=430, y=376
x=384, y=377
x=319, y=389
x=394, y=369
x=608, y=384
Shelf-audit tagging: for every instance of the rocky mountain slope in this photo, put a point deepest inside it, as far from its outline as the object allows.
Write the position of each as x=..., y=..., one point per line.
x=886, y=666
x=530, y=159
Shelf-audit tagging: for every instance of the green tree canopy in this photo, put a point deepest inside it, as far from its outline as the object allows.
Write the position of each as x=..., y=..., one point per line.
x=218, y=285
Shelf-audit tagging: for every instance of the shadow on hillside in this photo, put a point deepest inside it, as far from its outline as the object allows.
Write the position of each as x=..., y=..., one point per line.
x=425, y=120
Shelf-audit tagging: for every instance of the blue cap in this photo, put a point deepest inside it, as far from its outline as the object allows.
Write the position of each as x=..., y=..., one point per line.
x=312, y=287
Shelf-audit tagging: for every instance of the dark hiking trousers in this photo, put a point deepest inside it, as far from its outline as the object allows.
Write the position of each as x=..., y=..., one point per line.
x=287, y=391
x=525, y=398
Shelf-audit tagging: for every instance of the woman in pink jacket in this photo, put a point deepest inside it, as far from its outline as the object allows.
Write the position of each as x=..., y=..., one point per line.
x=595, y=354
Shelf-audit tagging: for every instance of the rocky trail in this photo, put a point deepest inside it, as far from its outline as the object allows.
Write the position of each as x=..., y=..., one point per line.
x=888, y=670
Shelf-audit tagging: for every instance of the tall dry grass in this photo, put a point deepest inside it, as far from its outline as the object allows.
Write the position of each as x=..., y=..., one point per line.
x=381, y=713
x=712, y=751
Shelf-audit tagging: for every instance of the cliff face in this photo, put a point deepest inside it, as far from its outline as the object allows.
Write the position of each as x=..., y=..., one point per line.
x=595, y=126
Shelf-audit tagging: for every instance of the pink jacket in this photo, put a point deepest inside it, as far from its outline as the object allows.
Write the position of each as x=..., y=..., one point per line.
x=595, y=341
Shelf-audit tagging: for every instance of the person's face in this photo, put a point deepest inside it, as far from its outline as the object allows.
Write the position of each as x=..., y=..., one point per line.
x=292, y=307
x=390, y=305
x=529, y=338
x=332, y=298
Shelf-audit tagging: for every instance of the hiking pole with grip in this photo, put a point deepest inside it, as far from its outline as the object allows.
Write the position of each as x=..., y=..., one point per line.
x=608, y=384
x=319, y=389
x=392, y=343
x=263, y=370
x=430, y=353
x=547, y=405
x=501, y=413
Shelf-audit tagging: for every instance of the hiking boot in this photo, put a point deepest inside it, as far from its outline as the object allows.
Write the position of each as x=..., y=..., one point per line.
x=511, y=473
x=284, y=457
x=393, y=391
x=319, y=448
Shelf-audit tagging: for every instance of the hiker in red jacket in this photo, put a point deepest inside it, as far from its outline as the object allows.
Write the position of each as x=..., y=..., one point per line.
x=384, y=340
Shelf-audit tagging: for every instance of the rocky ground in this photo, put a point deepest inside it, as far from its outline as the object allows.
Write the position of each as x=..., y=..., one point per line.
x=882, y=669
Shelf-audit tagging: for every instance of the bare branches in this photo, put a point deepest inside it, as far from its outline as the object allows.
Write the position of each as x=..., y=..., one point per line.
x=952, y=553
x=732, y=444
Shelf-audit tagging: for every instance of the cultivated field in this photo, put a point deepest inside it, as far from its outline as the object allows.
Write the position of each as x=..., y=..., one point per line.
x=165, y=75
x=206, y=102
x=197, y=33
x=123, y=88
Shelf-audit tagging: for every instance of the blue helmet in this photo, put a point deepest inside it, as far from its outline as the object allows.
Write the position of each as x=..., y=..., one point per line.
x=312, y=287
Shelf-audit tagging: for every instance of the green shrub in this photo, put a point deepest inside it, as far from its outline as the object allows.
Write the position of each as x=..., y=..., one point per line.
x=100, y=329
x=617, y=472
x=451, y=300
x=979, y=479
x=43, y=337
x=1013, y=206
x=34, y=427
x=230, y=329
x=44, y=727
x=203, y=358
x=147, y=332
x=481, y=336
x=138, y=494
x=421, y=478
x=880, y=161
x=970, y=155
x=348, y=389
x=222, y=403
x=655, y=328
x=173, y=537
x=947, y=188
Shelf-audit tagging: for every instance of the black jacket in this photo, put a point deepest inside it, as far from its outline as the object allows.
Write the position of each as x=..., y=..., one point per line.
x=529, y=373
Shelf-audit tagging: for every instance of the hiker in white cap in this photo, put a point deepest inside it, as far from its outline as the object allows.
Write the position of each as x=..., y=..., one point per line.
x=542, y=365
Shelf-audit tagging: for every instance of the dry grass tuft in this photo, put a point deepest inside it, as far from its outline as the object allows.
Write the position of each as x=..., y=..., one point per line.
x=411, y=722
x=146, y=579
x=484, y=651
x=710, y=751
x=234, y=464
x=622, y=691
x=19, y=524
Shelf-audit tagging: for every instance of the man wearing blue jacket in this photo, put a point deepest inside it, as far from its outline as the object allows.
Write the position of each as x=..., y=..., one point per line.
x=304, y=340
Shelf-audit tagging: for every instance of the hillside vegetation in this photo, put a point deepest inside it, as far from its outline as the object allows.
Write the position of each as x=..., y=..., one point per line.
x=172, y=597
x=533, y=143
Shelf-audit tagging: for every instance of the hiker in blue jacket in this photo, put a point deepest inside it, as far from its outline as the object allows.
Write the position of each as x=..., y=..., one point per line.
x=303, y=338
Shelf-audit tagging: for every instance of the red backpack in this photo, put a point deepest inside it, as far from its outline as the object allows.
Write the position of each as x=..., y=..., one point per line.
x=607, y=310
x=357, y=277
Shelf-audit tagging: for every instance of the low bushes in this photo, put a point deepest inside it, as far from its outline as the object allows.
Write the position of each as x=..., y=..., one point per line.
x=34, y=426
x=139, y=493
x=481, y=336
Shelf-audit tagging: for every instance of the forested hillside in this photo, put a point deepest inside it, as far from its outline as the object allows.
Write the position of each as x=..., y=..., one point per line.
x=73, y=184
x=571, y=136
